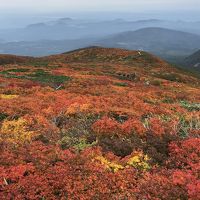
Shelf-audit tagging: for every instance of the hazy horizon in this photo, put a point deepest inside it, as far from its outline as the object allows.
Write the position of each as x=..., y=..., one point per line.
x=22, y=12
x=23, y=19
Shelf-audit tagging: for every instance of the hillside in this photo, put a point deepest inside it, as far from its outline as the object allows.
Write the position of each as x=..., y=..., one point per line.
x=98, y=123
x=12, y=59
x=166, y=43
x=193, y=61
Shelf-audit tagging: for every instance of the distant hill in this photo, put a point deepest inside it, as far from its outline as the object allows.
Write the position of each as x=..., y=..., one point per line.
x=193, y=61
x=166, y=43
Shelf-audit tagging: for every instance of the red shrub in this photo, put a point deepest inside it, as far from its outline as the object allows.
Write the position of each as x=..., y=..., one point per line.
x=185, y=154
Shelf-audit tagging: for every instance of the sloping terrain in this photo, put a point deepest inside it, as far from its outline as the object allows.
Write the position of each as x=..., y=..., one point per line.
x=12, y=59
x=98, y=123
x=193, y=61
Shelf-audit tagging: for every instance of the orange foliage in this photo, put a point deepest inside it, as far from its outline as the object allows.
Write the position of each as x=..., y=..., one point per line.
x=98, y=135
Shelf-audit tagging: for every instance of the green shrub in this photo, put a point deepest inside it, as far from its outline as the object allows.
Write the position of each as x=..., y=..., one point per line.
x=121, y=84
x=78, y=143
x=83, y=144
x=169, y=76
x=66, y=142
x=3, y=116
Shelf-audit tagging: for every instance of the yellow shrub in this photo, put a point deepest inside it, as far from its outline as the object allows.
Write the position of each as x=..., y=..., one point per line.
x=9, y=96
x=109, y=165
x=15, y=131
x=139, y=161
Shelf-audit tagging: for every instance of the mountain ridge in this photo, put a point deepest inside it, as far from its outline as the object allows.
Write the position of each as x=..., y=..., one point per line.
x=141, y=61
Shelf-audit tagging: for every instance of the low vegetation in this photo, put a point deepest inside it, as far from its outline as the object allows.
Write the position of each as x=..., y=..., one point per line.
x=96, y=136
x=38, y=75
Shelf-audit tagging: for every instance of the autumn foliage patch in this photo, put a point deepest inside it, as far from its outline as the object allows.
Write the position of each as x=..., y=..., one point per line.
x=68, y=131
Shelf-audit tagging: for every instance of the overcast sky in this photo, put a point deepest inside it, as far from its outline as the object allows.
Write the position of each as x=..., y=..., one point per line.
x=100, y=5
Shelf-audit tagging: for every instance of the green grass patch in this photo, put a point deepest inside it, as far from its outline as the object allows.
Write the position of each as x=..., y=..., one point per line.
x=39, y=75
x=39, y=63
x=45, y=77
x=190, y=106
x=18, y=70
x=186, y=125
x=7, y=72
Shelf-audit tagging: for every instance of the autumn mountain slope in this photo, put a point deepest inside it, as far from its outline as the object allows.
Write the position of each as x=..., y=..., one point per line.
x=98, y=123
x=138, y=61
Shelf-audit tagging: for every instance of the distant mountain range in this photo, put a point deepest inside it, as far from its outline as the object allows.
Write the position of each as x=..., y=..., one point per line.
x=167, y=43
x=67, y=28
